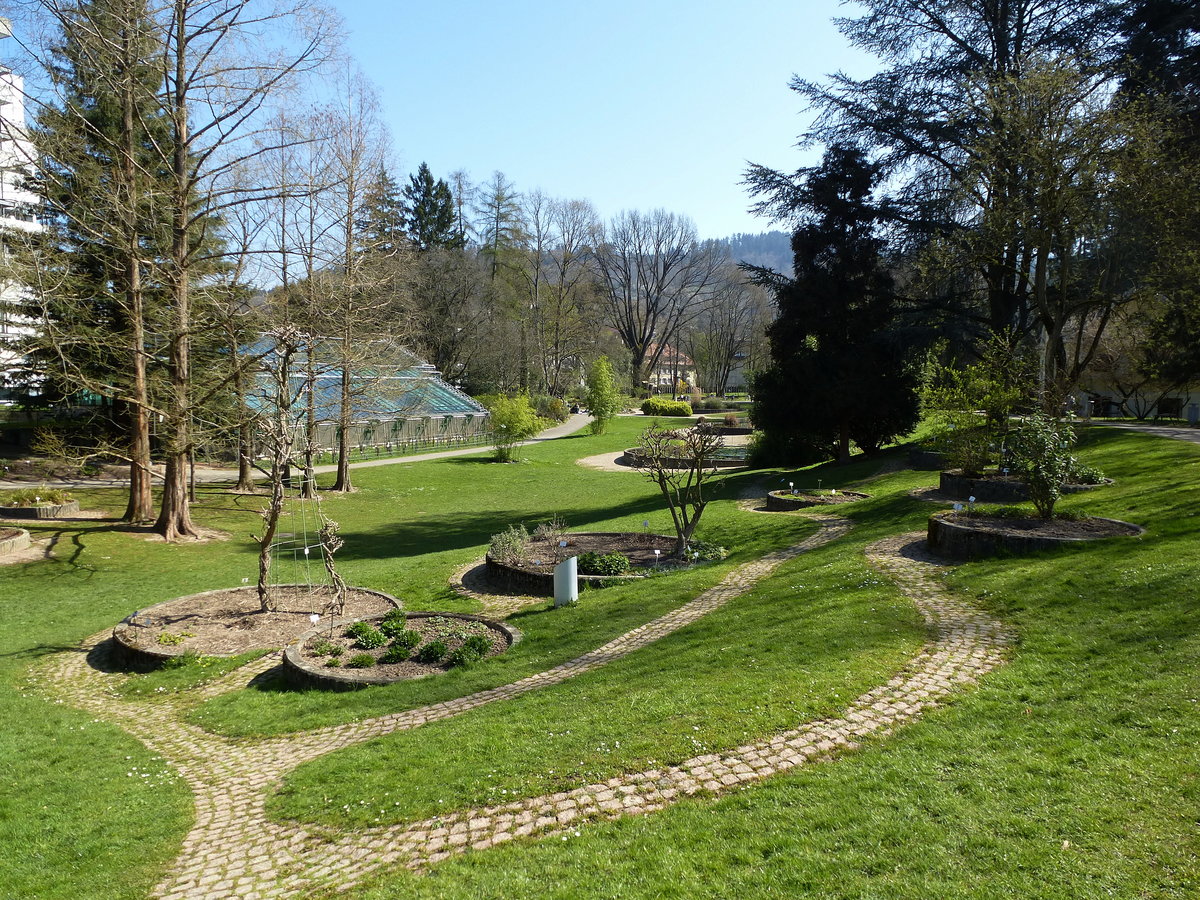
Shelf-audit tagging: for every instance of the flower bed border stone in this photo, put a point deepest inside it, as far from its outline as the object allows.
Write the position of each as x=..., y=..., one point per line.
x=998, y=488
x=14, y=543
x=57, y=511
x=979, y=537
x=784, y=501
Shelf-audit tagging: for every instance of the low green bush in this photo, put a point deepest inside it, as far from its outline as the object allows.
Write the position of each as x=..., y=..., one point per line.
x=366, y=636
x=510, y=546
x=394, y=623
x=360, y=661
x=396, y=653
x=663, y=406
x=472, y=650
x=326, y=648
x=707, y=550
x=592, y=563
x=432, y=652
x=40, y=496
x=550, y=408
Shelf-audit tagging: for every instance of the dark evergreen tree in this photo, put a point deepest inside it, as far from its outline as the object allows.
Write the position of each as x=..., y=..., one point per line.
x=429, y=211
x=381, y=225
x=841, y=366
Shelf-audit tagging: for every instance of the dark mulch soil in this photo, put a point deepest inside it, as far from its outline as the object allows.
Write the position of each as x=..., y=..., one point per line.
x=823, y=498
x=6, y=533
x=1090, y=528
x=231, y=622
x=452, y=631
x=637, y=548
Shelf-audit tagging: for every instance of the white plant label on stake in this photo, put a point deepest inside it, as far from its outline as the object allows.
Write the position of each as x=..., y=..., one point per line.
x=958, y=507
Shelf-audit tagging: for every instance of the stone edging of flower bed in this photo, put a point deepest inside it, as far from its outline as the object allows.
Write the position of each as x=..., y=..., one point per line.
x=998, y=489
x=70, y=508
x=779, y=502
x=959, y=537
x=18, y=541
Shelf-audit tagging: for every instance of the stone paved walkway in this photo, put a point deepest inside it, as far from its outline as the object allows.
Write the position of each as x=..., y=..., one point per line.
x=234, y=851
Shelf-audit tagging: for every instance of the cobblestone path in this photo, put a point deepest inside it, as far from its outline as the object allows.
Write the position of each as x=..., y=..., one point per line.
x=233, y=851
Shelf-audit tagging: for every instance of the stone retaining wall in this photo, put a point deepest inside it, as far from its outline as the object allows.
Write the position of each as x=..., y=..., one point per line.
x=962, y=537
x=70, y=508
x=782, y=502
x=18, y=541
x=997, y=488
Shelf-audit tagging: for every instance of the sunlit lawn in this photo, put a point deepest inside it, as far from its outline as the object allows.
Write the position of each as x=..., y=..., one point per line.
x=1071, y=772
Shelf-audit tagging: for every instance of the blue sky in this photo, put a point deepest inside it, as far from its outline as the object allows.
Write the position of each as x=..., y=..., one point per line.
x=632, y=105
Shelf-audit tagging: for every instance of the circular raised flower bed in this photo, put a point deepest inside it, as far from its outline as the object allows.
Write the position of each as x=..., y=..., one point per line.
x=997, y=488
x=323, y=657
x=41, y=511
x=535, y=576
x=229, y=621
x=975, y=536
x=783, y=501
x=12, y=540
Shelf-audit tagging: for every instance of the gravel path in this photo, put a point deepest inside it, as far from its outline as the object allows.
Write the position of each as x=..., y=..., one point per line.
x=233, y=851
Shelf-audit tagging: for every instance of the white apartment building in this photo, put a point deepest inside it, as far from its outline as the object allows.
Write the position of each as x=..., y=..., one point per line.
x=18, y=207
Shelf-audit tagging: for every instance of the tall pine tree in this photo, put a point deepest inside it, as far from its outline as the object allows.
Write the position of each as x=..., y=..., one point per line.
x=429, y=211
x=840, y=368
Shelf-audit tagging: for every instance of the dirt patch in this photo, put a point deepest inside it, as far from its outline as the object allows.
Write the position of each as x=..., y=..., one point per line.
x=1070, y=529
x=228, y=622
x=7, y=533
x=635, y=547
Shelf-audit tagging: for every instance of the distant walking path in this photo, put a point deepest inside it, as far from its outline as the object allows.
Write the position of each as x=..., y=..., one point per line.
x=1178, y=432
x=219, y=476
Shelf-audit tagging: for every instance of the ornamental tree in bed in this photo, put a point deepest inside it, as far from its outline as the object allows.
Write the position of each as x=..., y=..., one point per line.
x=680, y=463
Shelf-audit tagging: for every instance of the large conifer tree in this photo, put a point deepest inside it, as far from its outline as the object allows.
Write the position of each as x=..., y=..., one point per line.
x=840, y=368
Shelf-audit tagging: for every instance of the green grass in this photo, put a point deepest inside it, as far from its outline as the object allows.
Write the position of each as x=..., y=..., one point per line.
x=1072, y=772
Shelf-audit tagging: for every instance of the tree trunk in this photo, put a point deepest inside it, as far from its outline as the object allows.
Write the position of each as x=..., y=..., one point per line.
x=245, y=482
x=342, y=483
x=140, y=507
x=175, y=517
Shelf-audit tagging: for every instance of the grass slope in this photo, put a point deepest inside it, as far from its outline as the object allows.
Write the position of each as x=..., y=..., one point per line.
x=1071, y=772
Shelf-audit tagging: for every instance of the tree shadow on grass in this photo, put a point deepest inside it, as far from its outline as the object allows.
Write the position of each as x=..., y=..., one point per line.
x=459, y=530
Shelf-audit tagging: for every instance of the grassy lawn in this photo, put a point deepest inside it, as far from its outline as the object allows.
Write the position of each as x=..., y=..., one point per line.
x=1071, y=772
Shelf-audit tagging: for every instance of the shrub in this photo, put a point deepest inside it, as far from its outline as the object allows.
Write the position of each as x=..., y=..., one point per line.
x=513, y=420
x=472, y=650
x=360, y=661
x=366, y=637
x=707, y=550
x=603, y=398
x=394, y=623
x=731, y=420
x=409, y=639
x=396, y=653
x=1041, y=454
x=550, y=408
x=1084, y=474
x=510, y=546
x=432, y=652
x=41, y=496
x=333, y=662
x=592, y=563
x=662, y=406
x=326, y=648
